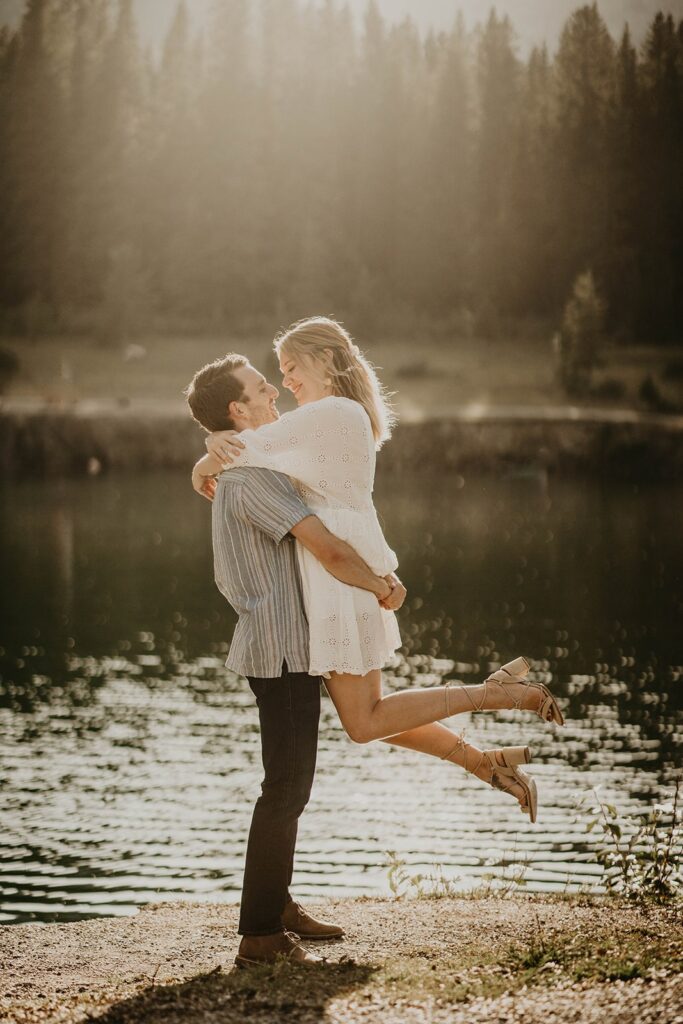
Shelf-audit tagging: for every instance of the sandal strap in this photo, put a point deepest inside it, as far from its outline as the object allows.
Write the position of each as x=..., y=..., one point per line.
x=462, y=745
x=503, y=772
x=547, y=707
x=498, y=677
x=466, y=691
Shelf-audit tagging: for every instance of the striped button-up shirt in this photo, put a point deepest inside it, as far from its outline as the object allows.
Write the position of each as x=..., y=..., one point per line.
x=256, y=569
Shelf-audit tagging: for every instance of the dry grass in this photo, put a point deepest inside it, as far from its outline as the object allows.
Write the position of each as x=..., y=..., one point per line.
x=432, y=376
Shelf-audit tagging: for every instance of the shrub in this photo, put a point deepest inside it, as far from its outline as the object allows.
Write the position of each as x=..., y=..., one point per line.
x=580, y=336
x=610, y=388
x=651, y=396
x=642, y=854
x=673, y=370
x=9, y=367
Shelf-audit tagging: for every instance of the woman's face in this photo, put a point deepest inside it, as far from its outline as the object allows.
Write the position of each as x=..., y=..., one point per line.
x=304, y=378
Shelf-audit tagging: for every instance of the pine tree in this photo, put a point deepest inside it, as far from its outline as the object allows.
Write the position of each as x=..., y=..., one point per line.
x=498, y=88
x=585, y=86
x=119, y=141
x=443, y=232
x=661, y=222
x=171, y=195
x=226, y=151
x=11, y=287
x=290, y=162
x=534, y=196
x=621, y=272
x=34, y=169
x=82, y=260
x=376, y=167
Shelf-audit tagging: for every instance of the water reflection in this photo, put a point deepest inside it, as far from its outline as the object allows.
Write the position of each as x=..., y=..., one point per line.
x=129, y=756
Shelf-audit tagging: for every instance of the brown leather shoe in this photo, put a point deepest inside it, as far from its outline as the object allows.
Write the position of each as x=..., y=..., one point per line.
x=295, y=919
x=257, y=950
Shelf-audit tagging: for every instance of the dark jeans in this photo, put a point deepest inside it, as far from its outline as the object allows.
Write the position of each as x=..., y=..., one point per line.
x=289, y=711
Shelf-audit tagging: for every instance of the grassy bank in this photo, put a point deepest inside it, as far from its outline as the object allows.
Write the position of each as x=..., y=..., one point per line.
x=545, y=959
x=432, y=375
x=77, y=407
x=96, y=437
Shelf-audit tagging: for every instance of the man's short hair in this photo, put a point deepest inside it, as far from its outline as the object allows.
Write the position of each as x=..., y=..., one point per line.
x=213, y=388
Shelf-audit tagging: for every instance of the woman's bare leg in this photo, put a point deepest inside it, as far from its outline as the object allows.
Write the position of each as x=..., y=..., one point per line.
x=368, y=715
x=436, y=739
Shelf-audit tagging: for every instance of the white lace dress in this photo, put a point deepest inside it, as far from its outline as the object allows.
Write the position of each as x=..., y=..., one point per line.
x=328, y=450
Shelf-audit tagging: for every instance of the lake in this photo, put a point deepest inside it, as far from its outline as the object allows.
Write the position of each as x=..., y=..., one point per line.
x=129, y=756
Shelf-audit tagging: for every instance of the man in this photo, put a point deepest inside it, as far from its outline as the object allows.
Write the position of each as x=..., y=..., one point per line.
x=256, y=515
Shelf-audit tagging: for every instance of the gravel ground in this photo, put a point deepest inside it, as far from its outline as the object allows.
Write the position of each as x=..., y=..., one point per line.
x=532, y=958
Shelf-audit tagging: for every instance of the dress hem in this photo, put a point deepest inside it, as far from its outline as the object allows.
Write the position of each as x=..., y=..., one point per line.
x=325, y=673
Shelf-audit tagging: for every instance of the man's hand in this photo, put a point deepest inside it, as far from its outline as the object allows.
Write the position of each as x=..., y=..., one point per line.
x=340, y=560
x=223, y=444
x=397, y=595
x=204, y=475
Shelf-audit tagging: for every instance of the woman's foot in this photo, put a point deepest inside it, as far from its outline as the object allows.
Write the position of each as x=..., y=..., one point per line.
x=498, y=768
x=508, y=689
x=503, y=773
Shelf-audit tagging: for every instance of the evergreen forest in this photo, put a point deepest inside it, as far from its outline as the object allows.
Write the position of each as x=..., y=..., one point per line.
x=292, y=161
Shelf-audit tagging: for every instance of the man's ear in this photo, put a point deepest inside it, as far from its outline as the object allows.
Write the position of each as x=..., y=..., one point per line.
x=236, y=409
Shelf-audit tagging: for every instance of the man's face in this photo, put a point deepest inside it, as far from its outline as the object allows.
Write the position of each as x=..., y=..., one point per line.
x=259, y=399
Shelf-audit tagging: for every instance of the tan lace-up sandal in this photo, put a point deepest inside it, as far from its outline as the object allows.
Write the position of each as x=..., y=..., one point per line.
x=512, y=756
x=515, y=672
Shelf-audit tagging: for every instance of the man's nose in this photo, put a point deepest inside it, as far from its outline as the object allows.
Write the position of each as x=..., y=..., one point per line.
x=274, y=393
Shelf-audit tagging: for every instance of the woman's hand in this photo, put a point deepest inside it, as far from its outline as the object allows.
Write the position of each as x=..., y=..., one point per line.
x=397, y=596
x=204, y=475
x=223, y=444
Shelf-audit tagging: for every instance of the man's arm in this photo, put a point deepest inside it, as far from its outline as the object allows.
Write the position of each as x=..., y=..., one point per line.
x=271, y=503
x=340, y=560
x=204, y=475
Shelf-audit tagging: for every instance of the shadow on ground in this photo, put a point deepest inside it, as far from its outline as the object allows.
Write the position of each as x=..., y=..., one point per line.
x=299, y=995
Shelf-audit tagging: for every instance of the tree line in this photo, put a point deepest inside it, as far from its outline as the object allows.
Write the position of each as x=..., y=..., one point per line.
x=293, y=162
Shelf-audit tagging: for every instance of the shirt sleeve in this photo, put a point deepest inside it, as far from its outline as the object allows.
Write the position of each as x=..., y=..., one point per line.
x=270, y=502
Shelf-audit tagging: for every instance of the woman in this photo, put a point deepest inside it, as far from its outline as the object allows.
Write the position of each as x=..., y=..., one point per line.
x=327, y=446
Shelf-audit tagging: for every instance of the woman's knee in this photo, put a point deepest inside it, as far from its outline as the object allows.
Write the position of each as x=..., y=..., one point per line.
x=360, y=732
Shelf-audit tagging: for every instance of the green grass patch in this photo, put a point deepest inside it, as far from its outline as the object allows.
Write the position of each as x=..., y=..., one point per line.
x=545, y=960
x=431, y=374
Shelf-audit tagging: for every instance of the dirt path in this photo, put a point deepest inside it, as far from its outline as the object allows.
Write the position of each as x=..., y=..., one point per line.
x=537, y=959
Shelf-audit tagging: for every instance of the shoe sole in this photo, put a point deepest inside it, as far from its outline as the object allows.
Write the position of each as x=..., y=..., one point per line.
x=244, y=963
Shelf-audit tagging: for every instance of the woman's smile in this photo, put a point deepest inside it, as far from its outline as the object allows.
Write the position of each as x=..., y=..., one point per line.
x=304, y=386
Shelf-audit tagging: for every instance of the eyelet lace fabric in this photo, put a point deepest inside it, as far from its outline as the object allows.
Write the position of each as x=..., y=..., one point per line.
x=328, y=451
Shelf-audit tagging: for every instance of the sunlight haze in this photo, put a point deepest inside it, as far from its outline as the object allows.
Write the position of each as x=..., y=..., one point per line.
x=535, y=21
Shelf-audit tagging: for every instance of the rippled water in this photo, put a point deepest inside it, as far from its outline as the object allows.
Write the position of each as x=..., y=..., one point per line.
x=129, y=757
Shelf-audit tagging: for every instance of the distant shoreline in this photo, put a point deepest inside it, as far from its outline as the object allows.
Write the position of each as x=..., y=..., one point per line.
x=92, y=437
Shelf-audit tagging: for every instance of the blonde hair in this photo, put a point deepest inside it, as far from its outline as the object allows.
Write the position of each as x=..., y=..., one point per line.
x=350, y=374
